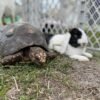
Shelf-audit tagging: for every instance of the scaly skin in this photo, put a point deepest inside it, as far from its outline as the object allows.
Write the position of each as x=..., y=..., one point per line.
x=11, y=59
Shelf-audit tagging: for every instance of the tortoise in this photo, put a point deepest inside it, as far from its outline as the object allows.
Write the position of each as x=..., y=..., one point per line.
x=23, y=42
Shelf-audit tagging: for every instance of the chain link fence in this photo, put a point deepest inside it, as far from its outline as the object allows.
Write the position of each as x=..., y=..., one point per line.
x=92, y=12
x=68, y=13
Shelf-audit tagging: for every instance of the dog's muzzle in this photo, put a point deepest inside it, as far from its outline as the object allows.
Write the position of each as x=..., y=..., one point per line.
x=83, y=44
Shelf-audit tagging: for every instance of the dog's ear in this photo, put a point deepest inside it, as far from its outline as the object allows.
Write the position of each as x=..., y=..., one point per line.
x=76, y=34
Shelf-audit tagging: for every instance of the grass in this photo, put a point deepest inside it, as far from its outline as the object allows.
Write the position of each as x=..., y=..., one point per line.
x=34, y=81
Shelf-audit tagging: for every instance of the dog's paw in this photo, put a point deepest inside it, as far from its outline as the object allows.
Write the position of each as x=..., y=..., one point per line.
x=83, y=59
x=62, y=51
x=79, y=58
x=89, y=55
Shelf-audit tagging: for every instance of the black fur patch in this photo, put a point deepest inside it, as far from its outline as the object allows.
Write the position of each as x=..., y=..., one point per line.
x=75, y=35
x=48, y=37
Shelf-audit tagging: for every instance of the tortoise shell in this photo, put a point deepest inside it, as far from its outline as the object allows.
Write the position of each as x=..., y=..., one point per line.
x=14, y=38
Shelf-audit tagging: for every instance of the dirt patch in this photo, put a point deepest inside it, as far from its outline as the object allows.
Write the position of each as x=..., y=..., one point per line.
x=86, y=77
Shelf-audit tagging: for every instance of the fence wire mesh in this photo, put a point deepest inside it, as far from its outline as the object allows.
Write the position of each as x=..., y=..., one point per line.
x=92, y=10
x=68, y=14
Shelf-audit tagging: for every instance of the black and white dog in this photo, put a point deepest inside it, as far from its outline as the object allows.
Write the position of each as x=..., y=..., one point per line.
x=72, y=43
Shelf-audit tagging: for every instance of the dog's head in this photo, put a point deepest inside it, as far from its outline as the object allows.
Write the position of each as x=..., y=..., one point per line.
x=78, y=38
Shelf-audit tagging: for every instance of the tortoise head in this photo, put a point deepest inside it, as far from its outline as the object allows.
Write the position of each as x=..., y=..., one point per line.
x=37, y=55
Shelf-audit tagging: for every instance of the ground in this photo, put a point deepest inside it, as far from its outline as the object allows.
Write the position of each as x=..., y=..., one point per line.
x=59, y=79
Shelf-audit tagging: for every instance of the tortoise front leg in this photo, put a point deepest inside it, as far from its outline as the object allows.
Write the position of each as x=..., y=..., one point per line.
x=51, y=54
x=11, y=59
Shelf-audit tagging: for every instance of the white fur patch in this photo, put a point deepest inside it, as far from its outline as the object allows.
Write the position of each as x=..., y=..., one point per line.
x=59, y=40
